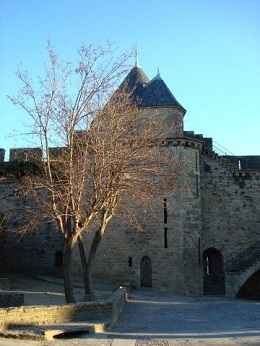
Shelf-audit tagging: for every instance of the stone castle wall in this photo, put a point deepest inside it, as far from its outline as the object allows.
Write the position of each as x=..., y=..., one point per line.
x=173, y=119
x=37, y=251
x=216, y=205
x=230, y=206
x=176, y=265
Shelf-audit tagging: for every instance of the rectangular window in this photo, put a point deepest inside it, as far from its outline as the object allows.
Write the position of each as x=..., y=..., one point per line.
x=165, y=237
x=197, y=160
x=197, y=185
x=130, y=261
x=199, y=250
x=165, y=216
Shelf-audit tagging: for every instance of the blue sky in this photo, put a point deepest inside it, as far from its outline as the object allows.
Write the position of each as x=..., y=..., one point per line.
x=208, y=53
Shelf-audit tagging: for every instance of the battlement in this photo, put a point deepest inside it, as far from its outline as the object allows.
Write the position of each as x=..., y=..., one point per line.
x=245, y=162
x=25, y=154
x=249, y=162
x=22, y=154
x=207, y=141
x=29, y=154
x=241, y=162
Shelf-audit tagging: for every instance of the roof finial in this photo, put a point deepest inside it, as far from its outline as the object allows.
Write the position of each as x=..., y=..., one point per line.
x=136, y=58
x=158, y=76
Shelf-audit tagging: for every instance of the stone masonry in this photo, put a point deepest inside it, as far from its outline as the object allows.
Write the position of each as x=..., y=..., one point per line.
x=189, y=240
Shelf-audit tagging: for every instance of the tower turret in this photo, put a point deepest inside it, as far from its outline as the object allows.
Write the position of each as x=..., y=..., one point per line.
x=155, y=96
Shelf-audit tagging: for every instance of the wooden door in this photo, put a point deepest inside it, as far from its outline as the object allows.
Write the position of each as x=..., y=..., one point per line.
x=146, y=272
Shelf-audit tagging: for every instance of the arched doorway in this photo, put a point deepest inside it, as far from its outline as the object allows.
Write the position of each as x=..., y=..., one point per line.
x=251, y=288
x=146, y=272
x=214, y=277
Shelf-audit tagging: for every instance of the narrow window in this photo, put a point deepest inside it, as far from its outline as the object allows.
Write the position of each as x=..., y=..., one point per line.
x=196, y=160
x=199, y=247
x=165, y=210
x=130, y=261
x=58, y=258
x=207, y=265
x=197, y=185
x=207, y=168
x=165, y=237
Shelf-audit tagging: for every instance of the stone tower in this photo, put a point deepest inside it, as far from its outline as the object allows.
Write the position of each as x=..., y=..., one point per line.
x=166, y=255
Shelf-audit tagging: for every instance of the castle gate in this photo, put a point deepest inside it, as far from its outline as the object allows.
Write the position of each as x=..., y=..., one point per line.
x=146, y=272
x=214, y=277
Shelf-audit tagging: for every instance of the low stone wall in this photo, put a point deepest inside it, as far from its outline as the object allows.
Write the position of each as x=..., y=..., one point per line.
x=117, y=302
x=107, y=310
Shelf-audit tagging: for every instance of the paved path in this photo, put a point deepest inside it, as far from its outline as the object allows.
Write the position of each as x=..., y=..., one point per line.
x=152, y=319
x=156, y=315
x=192, y=320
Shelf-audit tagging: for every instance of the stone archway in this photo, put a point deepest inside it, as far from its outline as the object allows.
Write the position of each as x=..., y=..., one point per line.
x=236, y=280
x=251, y=288
x=213, y=272
x=146, y=272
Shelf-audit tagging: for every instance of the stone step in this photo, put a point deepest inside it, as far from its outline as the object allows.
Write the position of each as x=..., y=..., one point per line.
x=59, y=331
x=51, y=332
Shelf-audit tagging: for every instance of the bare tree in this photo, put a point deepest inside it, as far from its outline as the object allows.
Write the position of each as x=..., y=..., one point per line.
x=102, y=155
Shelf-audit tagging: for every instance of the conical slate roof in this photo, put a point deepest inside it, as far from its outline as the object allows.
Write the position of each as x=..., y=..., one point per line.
x=148, y=93
x=156, y=93
x=135, y=82
x=136, y=77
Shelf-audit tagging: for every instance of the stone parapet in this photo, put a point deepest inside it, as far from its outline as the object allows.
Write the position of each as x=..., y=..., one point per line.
x=25, y=154
x=234, y=164
x=207, y=141
x=184, y=141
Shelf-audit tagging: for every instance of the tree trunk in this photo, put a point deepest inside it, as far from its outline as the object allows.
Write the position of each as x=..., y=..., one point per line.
x=87, y=265
x=95, y=243
x=86, y=270
x=66, y=268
